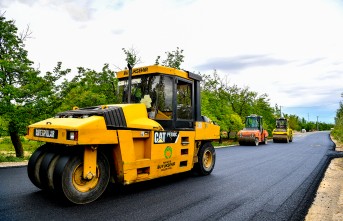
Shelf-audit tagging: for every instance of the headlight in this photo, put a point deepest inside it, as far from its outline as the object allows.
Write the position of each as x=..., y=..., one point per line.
x=73, y=135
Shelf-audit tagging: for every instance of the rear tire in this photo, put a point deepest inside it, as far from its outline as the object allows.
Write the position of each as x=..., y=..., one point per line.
x=206, y=159
x=69, y=179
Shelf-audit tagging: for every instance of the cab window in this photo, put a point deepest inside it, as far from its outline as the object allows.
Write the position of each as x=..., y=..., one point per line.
x=184, y=101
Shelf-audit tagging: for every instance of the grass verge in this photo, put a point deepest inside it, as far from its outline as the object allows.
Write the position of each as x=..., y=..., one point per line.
x=224, y=143
x=7, y=151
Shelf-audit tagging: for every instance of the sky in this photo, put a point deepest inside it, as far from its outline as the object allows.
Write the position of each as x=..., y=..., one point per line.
x=291, y=50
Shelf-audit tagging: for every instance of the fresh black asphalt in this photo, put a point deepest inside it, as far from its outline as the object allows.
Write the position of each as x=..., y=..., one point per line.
x=269, y=182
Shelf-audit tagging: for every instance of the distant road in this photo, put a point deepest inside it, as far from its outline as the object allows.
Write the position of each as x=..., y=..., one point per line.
x=268, y=182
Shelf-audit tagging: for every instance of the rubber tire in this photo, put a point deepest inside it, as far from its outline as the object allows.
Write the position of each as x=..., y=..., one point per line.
x=63, y=178
x=34, y=164
x=291, y=139
x=50, y=172
x=200, y=167
x=46, y=170
x=256, y=143
x=58, y=171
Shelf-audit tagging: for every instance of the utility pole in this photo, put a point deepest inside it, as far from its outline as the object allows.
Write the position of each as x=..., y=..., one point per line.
x=280, y=112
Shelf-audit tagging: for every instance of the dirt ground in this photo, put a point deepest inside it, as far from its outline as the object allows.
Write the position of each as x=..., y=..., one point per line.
x=328, y=203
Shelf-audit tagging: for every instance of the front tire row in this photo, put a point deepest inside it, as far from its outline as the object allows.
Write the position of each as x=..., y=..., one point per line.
x=53, y=169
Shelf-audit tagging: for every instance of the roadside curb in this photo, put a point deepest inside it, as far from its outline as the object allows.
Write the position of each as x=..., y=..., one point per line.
x=13, y=164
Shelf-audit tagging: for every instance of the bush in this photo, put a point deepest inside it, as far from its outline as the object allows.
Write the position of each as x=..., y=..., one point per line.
x=337, y=132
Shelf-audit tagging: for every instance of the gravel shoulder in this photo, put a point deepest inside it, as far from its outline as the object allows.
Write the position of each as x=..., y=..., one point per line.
x=328, y=203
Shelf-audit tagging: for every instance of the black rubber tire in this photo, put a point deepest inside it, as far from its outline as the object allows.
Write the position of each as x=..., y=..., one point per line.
x=58, y=171
x=64, y=178
x=45, y=174
x=206, y=153
x=34, y=165
x=50, y=172
x=256, y=142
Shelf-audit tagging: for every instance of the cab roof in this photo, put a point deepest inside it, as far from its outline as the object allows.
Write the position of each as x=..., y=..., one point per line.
x=153, y=69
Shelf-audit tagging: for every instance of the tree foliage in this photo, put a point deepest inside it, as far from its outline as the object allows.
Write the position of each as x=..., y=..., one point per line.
x=87, y=88
x=174, y=59
x=215, y=103
x=338, y=129
x=132, y=57
x=20, y=84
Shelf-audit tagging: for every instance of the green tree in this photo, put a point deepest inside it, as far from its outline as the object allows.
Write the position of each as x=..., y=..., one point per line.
x=338, y=128
x=132, y=57
x=174, y=59
x=294, y=122
x=21, y=88
x=261, y=106
x=241, y=100
x=214, y=103
x=88, y=88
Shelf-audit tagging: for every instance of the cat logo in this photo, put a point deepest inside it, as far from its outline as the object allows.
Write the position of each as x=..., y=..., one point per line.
x=165, y=137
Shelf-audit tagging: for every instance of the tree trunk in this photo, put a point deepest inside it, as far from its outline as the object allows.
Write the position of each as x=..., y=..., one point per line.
x=19, y=151
x=13, y=130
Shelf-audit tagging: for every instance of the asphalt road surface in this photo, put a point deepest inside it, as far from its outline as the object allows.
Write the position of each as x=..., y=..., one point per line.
x=269, y=182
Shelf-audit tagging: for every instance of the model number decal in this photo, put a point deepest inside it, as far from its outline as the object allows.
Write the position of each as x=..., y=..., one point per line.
x=165, y=137
x=137, y=71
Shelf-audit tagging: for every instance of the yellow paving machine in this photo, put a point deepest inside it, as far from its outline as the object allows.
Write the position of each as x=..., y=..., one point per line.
x=282, y=131
x=157, y=130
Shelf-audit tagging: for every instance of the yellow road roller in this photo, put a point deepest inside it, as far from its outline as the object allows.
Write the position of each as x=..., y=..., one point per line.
x=282, y=131
x=156, y=131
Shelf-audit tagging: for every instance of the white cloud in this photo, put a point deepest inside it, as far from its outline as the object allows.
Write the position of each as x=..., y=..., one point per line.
x=296, y=46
